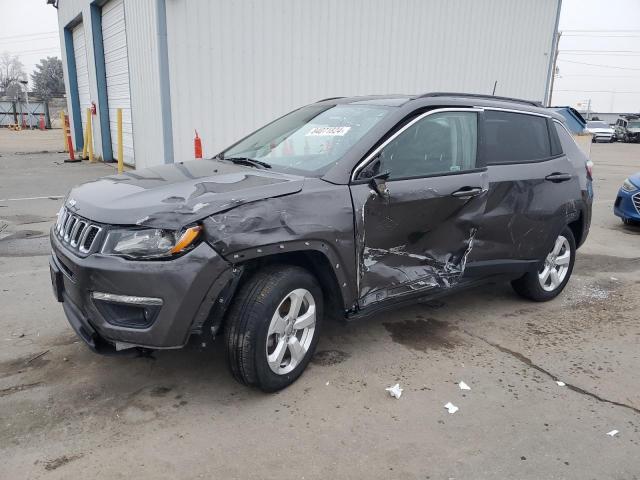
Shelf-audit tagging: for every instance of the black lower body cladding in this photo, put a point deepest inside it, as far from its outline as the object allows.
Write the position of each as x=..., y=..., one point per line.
x=174, y=296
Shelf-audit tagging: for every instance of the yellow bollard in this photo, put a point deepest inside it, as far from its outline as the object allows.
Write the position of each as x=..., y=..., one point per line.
x=90, y=138
x=120, y=152
x=64, y=131
x=86, y=136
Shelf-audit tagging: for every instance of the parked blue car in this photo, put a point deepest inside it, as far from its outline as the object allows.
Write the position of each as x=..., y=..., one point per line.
x=627, y=205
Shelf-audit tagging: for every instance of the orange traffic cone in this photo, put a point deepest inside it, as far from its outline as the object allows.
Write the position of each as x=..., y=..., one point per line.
x=197, y=145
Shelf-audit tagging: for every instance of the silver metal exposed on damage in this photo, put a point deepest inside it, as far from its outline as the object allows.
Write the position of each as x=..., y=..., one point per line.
x=556, y=265
x=76, y=232
x=291, y=331
x=126, y=299
x=431, y=273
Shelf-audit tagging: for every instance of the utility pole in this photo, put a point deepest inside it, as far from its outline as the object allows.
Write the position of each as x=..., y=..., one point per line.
x=553, y=72
x=26, y=92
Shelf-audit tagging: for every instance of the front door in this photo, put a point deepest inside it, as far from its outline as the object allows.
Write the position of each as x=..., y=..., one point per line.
x=415, y=227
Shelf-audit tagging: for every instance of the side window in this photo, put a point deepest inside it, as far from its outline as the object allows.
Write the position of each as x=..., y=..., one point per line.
x=436, y=144
x=556, y=147
x=515, y=137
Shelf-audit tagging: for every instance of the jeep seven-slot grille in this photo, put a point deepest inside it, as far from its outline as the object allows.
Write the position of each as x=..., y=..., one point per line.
x=75, y=232
x=636, y=201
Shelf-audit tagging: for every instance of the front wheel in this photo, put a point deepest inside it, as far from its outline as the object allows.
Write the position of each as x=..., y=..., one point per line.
x=554, y=273
x=273, y=327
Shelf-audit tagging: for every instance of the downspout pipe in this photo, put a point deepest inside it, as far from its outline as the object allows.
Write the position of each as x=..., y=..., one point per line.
x=163, y=76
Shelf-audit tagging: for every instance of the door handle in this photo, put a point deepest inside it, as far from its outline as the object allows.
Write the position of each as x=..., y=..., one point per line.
x=557, y=177
x=467, y=192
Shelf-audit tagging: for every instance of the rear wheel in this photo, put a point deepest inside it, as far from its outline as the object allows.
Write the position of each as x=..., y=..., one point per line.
x=554, y=273
x=273, y=327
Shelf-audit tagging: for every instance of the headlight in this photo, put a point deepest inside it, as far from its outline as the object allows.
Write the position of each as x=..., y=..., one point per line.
x=628, y=186
x=149, y=243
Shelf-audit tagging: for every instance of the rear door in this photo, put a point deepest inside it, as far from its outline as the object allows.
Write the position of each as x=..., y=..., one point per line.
x=416, y=229
x=533, y=189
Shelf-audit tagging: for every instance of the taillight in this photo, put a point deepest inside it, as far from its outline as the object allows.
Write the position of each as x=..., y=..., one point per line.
x=589, y=167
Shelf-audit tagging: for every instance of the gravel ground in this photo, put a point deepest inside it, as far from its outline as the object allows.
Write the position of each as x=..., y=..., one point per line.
x=65, y=411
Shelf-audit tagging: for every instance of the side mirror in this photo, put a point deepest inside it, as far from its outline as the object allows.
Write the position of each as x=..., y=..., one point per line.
x=378, y=184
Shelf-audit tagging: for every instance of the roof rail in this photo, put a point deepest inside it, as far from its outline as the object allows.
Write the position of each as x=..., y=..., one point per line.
x=479, y=95
x=330, y=98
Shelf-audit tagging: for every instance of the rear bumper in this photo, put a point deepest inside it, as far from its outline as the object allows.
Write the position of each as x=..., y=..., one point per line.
x=627, y=205
x=188, y=287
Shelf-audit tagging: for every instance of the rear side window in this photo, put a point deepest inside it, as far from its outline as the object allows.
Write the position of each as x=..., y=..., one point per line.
x=556, y=147
x=515, y=137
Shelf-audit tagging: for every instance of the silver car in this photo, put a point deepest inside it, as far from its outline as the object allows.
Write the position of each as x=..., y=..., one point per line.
x=601, y=131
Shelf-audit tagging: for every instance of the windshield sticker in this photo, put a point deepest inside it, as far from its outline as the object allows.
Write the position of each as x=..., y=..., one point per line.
x=328, y=132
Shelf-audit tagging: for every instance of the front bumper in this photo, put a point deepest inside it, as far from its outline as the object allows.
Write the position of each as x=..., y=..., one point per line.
x=602, y=137
x=188, y=287
x=633, y=136
x=627, y=205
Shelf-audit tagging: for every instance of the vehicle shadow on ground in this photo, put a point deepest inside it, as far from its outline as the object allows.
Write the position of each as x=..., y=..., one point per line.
x=203, y=372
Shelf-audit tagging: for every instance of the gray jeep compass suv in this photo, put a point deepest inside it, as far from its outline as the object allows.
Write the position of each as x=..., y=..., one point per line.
x=342, y=208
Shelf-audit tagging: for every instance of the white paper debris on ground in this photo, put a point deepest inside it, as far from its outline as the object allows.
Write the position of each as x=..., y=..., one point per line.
x=614, y=279
x=464, y=386
x=613, y=433
x=561, y=384
x=394, y=391
x=451, y=407
x=327, y=384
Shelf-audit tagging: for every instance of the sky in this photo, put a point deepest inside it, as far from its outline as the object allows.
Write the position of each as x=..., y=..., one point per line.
x=29, y=29
x=599, y=32
x=605, y=34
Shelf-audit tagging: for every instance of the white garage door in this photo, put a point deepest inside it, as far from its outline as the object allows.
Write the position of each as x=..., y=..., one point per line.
x=116, y=64
x=82, y=72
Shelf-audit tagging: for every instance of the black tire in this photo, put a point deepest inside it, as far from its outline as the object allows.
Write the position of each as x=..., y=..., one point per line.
x=528, y=286
x=248, y=320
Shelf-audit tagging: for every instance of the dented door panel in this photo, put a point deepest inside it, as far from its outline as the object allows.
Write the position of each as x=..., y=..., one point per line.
x=417, y=239
x=525, y=212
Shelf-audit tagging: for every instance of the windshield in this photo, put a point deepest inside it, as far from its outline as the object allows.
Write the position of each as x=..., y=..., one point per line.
x=635, y=124
x=597, y=125
x=311, y=139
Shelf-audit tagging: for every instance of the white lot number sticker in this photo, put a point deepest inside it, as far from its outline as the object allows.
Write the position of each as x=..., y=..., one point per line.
x=328, y=132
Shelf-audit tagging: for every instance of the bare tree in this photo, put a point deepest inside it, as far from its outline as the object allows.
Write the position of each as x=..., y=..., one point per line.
x=47, y=80
x=11, y=70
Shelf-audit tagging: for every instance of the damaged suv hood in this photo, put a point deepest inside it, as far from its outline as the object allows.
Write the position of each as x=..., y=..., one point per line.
x=174, y=195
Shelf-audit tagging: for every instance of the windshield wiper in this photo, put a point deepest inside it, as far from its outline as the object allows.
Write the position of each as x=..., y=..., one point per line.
x=251, y=162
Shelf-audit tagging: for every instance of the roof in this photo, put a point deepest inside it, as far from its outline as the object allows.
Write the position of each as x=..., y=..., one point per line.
x=448, y=98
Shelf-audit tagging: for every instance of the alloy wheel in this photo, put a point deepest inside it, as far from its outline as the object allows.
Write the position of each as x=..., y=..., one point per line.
x=556, y=265
x=291, y=331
